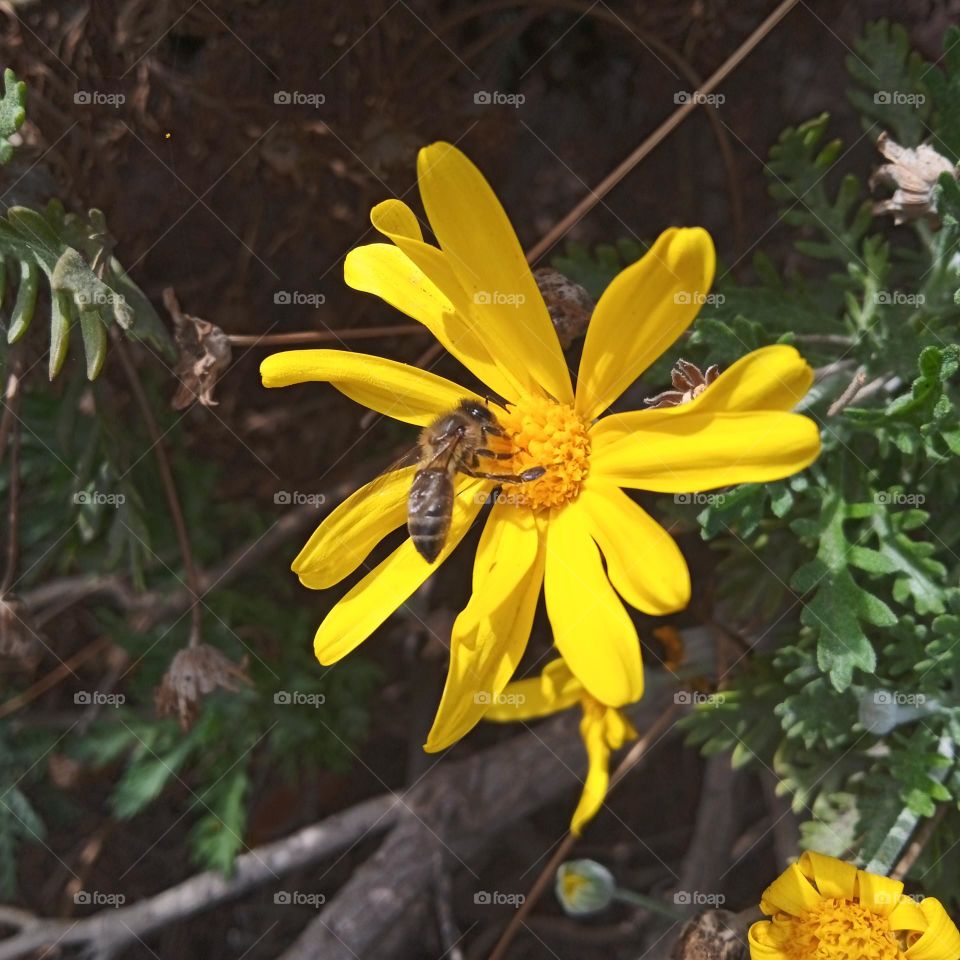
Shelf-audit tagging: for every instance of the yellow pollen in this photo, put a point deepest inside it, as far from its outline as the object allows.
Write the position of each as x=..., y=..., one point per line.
x=837, y=930
x=551, y=435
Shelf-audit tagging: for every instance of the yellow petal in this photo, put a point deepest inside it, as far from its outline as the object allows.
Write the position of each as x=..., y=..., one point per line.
x=618, y=729
x=396, y=221
x=387, y=272
x=771, y=378
x=643, y=561
x=907, y=915
x=790, y=893
x=491, y=633
x=591, y=628
x=394, y=389
x=353, y=529
x=835, y=879
x=877, y=893
x=641, y=313
x=598, y=769
x=389, y=585
x=483, y=251
x=941, y=939
x=762, y=945
x=690, y=451
x=554, y=690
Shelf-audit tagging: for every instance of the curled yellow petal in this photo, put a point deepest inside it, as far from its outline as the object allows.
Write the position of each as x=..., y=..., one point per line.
x=491, y=632
x=483, y=251
x=394, y=389
x=641, y=313
x=771, y=378
x=643, y=561
x=554, y=690
x=790, y=893
x=879, y=894
x=833, y=878
x=763, y=945
x=940, y=940
x=353, y=529
x=388, y=585
x=591, y=628
x=598, y=767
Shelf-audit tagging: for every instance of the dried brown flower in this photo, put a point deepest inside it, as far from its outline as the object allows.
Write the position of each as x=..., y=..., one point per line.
x=193, y=673
x=569, y=305
x=204, y=355
x=713, y=935
x=913, y=173
x=688, y=382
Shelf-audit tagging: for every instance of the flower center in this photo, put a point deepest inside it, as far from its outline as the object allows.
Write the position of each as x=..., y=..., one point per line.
x=551, y=435
x=837, y=930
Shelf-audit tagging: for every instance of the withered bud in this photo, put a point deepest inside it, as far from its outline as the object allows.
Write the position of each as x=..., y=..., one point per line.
x=713, y=935
x=688, y=380
x=913, y=173
x=569, y=305
x=193, y=673
x=19, y=640
x=204, y=355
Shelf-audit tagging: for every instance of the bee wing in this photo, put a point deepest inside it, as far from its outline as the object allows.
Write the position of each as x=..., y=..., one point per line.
x=387, y=483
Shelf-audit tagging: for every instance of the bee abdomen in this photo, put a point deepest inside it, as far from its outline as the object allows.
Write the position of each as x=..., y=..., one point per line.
x=429, y=510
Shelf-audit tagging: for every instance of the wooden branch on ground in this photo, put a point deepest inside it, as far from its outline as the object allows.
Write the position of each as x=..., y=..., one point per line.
x=102, y=934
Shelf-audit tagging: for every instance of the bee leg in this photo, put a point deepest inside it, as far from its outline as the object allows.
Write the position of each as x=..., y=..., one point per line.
x=532, y=474
x=496, y=400
x=493, y=454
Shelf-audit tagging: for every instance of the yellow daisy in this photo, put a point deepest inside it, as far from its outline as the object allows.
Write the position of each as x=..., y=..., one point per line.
x=477, y=295
x=824, y=909
x=602, y=728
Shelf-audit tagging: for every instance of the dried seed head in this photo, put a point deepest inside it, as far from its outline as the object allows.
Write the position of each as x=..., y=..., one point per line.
x=193, y=673
x=204, y=355
x=713, y=935
x=913, y=173
x=19, y=640
x=689, y=381
x=569, y=305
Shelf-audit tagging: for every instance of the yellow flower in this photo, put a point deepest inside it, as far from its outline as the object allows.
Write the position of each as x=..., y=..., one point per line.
x=825, y=909
x=477, y=295
x=602, y=728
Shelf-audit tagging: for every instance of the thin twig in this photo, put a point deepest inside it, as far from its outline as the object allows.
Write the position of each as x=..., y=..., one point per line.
x=635, y=755
x=169, y=487
x=910, y=857
x=13, y=491
x=658, y=135
x=10, y=395
x=849, y=394
x=326, y=336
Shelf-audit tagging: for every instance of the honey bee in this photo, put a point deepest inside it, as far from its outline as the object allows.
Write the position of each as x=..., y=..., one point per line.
x=454, y=443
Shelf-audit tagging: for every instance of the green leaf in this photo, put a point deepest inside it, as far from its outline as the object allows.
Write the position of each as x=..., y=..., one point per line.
x=12, y=111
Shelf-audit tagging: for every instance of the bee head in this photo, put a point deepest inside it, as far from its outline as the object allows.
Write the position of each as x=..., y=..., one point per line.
x=477, y=411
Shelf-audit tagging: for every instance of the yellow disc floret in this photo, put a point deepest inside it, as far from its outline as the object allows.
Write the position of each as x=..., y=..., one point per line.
x=551, y=435
x=837, y=930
